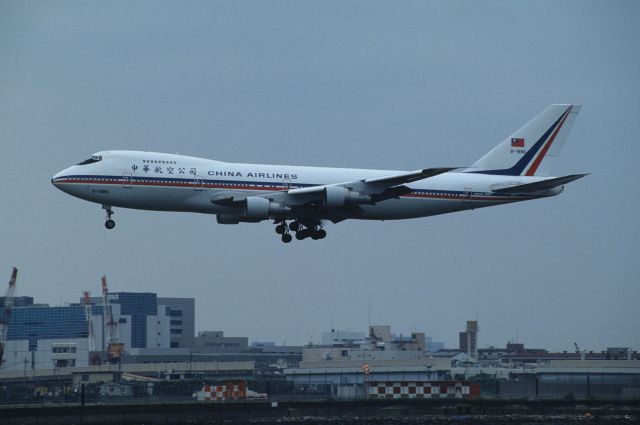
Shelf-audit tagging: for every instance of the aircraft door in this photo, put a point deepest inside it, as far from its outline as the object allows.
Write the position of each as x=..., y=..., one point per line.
x=466, y=195
x=286, y=183
x=198, y=183
x=127, y=180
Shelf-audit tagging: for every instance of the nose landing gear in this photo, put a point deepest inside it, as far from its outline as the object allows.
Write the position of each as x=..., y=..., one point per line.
x=109, y=223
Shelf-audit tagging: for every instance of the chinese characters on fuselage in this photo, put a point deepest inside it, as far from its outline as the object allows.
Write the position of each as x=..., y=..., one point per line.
x=215, y=173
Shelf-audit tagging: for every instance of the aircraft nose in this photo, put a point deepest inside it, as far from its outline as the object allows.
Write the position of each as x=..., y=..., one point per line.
x=56, y=180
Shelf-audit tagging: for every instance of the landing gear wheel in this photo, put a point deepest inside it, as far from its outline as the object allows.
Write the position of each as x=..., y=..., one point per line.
x=281, y=228
x=286, y=238
x=302, y=234
x=109, y=224
x=294, y=226
x=320, y=234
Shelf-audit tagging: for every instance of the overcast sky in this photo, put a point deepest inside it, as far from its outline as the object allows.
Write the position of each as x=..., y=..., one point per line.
x=387, y=85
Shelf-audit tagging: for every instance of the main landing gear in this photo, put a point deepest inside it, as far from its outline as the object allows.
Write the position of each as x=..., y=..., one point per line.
x=302, y=231
x=109, y=224
x=283, y=229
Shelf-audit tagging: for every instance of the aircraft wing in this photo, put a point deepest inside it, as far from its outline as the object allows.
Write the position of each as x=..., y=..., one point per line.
x=375, y=185
x=365, y=191
x=408, y=177
x=540, y=185
x=330, y=200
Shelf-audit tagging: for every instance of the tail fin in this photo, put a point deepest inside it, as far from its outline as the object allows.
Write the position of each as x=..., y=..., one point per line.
x=533, y=149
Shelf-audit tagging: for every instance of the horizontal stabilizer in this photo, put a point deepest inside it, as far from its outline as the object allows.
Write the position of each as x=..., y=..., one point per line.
x=541, y=185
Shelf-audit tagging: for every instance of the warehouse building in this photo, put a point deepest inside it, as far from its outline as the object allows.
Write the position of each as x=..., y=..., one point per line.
x=344, y=368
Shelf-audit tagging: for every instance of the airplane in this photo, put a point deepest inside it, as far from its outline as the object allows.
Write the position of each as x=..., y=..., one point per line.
x=301, y=200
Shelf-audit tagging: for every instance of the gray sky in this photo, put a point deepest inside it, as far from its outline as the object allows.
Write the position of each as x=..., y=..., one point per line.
x=390, y=85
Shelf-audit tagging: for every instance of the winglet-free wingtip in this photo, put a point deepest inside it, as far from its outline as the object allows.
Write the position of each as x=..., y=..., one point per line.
x=578, y=176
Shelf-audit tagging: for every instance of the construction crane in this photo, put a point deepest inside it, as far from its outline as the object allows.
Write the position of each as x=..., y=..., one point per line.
x=86, y=300
x=94, y=359
x=114, y=348
x=6, y=312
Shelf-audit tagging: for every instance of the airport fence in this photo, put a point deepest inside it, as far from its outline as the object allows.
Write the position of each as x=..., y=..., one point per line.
x=614, y=387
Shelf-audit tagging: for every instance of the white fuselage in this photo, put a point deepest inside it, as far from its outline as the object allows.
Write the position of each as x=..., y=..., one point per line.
x=168, y=182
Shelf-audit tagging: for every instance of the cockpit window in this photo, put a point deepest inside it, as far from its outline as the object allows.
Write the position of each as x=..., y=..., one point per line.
x=94, y=158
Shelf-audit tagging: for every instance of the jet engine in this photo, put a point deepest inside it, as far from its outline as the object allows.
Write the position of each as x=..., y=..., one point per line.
x=262, y=208
x=338, y=197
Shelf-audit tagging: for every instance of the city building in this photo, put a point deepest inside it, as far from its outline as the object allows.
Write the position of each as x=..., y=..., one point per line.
x=434, y=346
x=469, y=340
x=181, y=312
x=146, y=322
x=214, y=342
x=18, y=301
x=343, y=367
x=40, y=336
x=336, y=337
x=46, y=337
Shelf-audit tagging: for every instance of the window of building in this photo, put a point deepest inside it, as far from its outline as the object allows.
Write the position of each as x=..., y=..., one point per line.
x=176, y=331
x=176, y=322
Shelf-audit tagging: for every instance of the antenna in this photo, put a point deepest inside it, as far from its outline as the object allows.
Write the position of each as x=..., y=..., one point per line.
x=369, y=311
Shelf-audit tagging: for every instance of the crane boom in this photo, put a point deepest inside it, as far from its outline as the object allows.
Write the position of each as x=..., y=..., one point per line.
x=114, y=348
x=5, y=317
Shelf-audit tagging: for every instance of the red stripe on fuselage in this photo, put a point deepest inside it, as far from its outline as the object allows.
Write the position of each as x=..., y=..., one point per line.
x=191, y=185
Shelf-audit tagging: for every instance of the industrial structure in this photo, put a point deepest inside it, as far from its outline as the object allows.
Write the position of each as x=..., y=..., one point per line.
x=115, y=349
x=5, y=317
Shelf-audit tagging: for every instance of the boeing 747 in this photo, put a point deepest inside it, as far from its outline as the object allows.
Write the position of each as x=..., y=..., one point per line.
x=301, y=200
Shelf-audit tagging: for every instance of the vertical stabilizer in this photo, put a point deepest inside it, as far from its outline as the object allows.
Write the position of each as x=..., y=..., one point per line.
x=534, y=148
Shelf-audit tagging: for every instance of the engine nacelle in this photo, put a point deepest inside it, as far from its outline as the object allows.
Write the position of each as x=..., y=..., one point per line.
x=338, y=197
x=262, y=208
